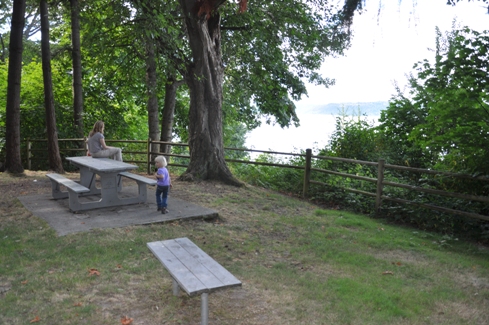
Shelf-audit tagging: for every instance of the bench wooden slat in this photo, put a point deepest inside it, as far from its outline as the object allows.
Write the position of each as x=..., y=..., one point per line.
x=194, y=266
x=220, y=273
x=68, y=183
x=186, y=263
x=138, y=178
x=177, y=269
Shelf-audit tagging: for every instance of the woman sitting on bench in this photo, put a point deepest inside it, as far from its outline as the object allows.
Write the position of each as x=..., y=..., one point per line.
x=96, y=144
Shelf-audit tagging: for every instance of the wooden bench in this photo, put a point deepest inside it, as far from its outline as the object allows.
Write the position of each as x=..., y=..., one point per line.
x=192, y=270
x=74, y=189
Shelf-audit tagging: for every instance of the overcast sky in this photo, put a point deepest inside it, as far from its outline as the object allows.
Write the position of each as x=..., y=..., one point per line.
x=386, y=46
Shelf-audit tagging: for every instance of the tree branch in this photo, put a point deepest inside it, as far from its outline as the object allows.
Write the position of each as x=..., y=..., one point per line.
x=246, y=27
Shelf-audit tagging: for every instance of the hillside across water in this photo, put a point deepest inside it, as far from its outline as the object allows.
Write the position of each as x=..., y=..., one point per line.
x=316, y=125
x=350, y=109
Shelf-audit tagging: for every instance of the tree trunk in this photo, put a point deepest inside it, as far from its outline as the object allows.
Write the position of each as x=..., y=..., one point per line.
x=2, y=56
x=13, y=162
x=204, y=78
x=54, y=157
x=77, y=69
x=151, y=83
x=169, y=114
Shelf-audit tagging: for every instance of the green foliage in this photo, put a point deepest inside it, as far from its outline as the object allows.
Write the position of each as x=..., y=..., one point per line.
x=354, y=139
x=234, y=137
x=396, y=124
x=280, y=179
x=455, y=94
x=269, y=51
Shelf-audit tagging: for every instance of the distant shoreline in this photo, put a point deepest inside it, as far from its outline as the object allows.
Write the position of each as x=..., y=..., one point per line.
x=349, y=109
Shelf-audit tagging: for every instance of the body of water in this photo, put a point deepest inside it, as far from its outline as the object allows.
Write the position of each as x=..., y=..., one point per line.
x=314, y=132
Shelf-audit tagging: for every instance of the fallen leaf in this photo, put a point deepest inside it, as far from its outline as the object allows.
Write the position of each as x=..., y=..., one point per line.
x=77, y=304
x=93, y=272
x=25, y=282
x=126, y=320
x=35, y=320
x=387, y=273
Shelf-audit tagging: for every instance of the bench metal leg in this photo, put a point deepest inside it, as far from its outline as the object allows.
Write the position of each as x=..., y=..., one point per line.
x=176, y=288
x=143, y=192
x=74, y=201
x=204, y=313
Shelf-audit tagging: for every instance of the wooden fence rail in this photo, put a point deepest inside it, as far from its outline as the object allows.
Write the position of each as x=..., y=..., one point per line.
x=381, y=167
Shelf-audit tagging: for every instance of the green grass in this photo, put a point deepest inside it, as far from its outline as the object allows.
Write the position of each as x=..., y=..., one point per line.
x=298, y=264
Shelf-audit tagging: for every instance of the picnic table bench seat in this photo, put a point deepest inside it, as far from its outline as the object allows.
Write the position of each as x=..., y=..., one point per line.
x=74, y=189
x=139, y=178
x=71, y=185
x=141, y=181
x=192, y=270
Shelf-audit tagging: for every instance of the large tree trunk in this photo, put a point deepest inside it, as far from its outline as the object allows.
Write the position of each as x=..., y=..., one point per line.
x=77, y=69
x=55, y=163
x=151, y=75
x=13, y=163
x=2, y=55
x=171, y=87
x=151, y=83
x=204, y=78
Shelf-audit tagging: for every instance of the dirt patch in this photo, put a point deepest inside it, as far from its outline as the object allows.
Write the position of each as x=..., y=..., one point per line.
x=402, y=257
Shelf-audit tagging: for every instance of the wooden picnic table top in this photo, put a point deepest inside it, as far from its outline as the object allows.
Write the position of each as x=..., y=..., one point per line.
x=194, y=270
x=101, y=165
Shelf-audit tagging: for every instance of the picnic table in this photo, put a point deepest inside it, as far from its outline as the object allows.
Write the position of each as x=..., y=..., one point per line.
x=110, y=173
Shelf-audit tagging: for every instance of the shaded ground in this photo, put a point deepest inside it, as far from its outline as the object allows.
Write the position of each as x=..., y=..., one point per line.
x=58, y=215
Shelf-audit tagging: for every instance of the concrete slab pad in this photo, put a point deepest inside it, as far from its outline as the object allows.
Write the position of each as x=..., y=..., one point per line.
x=58, y=215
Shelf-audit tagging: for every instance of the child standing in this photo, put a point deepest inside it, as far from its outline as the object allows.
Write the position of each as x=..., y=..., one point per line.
x=163, y=184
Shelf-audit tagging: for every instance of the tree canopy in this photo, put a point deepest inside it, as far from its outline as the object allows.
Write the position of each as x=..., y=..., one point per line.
x=267, y=51
x=446, y=114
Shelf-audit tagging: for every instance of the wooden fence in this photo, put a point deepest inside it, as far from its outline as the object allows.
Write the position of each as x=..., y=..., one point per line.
x=380, y=165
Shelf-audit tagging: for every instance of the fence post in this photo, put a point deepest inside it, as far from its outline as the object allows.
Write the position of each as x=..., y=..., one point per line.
x=28, y=154
x=380, y=181
x=148, y=158
x=307, y=173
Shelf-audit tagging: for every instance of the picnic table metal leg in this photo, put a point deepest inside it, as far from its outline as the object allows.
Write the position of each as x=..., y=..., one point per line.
x=88, y=179
x=204, y=313
x=176, y=288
